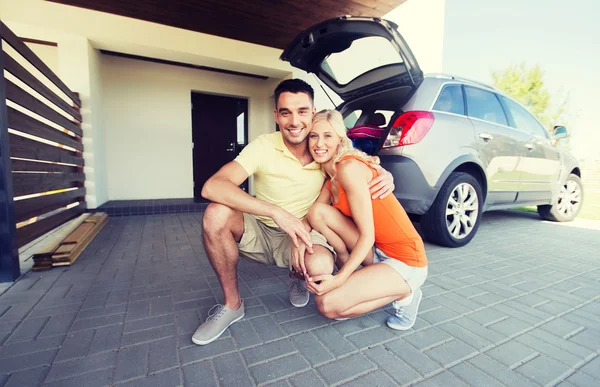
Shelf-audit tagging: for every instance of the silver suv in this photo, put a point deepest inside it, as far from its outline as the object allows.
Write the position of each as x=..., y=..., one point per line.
x=456, y=147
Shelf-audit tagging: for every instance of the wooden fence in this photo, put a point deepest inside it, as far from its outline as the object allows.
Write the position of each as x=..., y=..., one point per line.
x=41, y=164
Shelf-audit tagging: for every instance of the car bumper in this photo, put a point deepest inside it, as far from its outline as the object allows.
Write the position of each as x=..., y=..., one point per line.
x=412, y=190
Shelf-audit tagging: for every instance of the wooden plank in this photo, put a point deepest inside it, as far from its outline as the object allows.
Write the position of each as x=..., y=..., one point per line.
x=13, y=67
x=83, y=229
x=30, y=149
x=31, y=183
x=62, y=260
x=26, y=165
x=22, y=122
x=65, y=249
x=32, y=231
x=21, y=97
x=96, y=217
x=28, y=54
x=28, y=208
x=46, y=247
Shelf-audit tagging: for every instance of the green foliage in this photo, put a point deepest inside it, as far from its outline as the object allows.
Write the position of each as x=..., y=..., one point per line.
x=526, y=85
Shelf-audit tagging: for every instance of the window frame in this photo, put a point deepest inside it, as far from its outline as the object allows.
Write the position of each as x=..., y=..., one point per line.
x=502, y=108
x=441, y=90
x=512, y=123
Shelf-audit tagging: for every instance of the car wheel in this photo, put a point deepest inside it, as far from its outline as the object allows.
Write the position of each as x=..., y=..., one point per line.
x=453, y=219
x=568, y=204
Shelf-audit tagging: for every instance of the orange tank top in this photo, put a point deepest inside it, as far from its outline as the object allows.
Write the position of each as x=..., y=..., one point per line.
x=395, y=234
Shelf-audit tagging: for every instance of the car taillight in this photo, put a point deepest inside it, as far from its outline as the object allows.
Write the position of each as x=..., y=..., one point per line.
x=409, y=128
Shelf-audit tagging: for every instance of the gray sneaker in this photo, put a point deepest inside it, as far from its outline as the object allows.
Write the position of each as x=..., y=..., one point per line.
x=219, y=318
x=299, y=295
x=406, y=316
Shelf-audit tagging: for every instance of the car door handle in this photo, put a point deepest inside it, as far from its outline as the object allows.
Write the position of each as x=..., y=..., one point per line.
x=530, y=146
x=486, y=136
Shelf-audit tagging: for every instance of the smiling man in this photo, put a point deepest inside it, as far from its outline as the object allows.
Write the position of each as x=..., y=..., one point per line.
x=263, y=228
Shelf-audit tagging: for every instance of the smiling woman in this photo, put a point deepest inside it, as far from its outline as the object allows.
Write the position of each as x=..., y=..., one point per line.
x=352, y=221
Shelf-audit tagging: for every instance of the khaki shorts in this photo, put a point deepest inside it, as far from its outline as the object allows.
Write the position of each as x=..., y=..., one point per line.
x=270, y=245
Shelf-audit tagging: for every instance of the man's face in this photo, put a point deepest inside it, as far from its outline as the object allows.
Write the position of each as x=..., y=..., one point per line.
x=293, y=114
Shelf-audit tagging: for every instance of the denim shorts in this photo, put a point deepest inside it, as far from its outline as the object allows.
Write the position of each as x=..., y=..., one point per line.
x=414, y=276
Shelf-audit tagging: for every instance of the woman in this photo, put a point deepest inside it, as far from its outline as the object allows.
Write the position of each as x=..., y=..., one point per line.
x=353, y=222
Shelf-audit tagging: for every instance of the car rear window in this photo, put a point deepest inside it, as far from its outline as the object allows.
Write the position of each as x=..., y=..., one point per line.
x=484, y=105
x=451, y=100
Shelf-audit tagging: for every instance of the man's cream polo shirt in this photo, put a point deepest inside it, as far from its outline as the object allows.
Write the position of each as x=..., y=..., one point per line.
x=279, y=177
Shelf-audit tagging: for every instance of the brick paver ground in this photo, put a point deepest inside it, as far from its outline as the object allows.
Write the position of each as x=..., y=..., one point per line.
x=519, y=306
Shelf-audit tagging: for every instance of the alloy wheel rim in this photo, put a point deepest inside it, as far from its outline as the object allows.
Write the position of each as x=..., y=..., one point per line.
x=462, y=210
x=569, y=198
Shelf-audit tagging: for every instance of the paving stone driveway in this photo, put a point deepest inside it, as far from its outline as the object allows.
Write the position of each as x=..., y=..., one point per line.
x=519, y=306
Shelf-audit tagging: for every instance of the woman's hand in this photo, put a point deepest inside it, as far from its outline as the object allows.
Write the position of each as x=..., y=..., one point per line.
x=321, y=284
x=383, y=184
x=298, y=258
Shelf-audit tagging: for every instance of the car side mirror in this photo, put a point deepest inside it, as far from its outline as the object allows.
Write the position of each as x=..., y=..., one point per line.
x=559, y=133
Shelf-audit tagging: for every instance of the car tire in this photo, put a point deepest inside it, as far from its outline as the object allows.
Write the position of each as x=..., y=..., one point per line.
x=568, y=202
x=454, y=217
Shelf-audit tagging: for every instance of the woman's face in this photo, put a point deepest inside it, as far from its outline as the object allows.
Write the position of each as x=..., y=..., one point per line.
x=323, y=142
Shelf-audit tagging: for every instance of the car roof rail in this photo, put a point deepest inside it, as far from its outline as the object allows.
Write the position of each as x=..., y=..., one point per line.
x=460, y=79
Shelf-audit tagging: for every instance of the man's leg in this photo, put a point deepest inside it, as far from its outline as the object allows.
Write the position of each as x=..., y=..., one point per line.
x=320, y=261
x=222, y=230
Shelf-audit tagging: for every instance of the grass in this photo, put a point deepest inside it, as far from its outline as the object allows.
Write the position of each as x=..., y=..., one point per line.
x=589, y=210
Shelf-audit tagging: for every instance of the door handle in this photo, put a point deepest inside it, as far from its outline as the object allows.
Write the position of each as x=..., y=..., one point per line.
x=530, y=146
x=486, y=136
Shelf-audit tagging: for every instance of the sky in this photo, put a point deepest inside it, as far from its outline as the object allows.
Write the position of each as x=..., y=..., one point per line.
x=482, y=36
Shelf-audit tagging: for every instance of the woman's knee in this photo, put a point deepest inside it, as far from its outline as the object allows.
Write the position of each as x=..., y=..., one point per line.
x=317, y=212
x=327, y=306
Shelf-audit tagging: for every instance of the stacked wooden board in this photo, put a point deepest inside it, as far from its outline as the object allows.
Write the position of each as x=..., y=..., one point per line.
x=73, y=245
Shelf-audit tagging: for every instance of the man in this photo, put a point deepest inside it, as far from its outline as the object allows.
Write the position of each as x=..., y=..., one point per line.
x=287, y=182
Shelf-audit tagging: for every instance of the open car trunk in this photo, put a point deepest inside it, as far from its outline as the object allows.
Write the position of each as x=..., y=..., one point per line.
x=367, y=63
x=356, y=57
x=369, y=119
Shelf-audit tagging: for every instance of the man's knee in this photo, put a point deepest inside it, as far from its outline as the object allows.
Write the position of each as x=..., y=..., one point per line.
x=320, y=261
x=218, y=218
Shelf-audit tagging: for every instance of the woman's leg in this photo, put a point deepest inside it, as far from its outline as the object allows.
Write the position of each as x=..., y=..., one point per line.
x=365, y=290
x=339, y=230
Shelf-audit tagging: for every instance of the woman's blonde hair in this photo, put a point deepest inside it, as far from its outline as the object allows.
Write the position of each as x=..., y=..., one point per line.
x=335, y=119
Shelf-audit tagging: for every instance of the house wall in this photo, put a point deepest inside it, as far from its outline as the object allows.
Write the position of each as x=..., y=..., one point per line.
x=48, y=54
x=81, y=33
x=147, y=120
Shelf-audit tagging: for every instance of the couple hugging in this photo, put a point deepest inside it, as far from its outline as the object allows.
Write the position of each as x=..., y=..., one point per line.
x=319, y=203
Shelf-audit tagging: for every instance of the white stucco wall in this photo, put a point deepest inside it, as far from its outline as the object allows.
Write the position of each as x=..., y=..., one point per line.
x=421, y=23
x=148, y=124
x=48, y=54
x=80, y=33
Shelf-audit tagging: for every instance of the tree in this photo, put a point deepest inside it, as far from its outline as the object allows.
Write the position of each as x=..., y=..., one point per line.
x=526, y=85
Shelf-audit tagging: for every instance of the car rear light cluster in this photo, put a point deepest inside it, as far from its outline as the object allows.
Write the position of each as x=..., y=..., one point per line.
x=409, y=128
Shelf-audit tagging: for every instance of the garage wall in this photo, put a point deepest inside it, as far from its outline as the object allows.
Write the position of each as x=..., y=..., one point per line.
x=148, y=125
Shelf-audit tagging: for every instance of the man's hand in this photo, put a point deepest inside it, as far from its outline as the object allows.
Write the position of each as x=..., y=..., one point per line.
x=321, y=284
x=297, y=259
x=383, y=184
x=293, y=227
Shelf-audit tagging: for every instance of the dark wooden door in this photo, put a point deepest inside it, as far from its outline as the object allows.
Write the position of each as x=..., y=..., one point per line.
x=219, y=132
